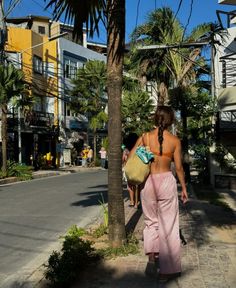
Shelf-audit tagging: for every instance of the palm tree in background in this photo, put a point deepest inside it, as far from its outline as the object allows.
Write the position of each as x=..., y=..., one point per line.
x=174, y=69
x=168, y=67
x=137, y=110
x=89, y=96
x=137, y=107
x=12, y=85
x=112, y=13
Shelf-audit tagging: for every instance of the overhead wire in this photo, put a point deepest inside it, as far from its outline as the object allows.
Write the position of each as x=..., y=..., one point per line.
x=178, y=9
x=188, y=21
x=11, y=7
x=43, y=82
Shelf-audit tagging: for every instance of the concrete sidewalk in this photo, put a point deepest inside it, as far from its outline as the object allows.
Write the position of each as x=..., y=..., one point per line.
x=208, y=259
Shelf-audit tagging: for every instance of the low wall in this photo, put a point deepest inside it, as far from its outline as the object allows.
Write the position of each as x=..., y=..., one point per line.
x=225, y=181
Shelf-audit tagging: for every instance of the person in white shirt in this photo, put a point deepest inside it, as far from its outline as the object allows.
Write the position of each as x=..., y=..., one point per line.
x=103, y=155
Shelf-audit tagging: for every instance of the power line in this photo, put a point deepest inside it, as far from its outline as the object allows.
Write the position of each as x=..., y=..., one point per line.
x=42, y=7
x=11, y=7
x=177, y=11
x=188, y=21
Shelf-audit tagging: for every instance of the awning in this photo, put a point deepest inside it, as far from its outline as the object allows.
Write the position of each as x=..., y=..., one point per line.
x=227, y=97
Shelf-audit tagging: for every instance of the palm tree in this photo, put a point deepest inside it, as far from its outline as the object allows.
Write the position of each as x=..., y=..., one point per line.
x=89, y=95
x=11, y=85
x=168, y=67
x=173, y=69
x=90, y=13
x=137, y=107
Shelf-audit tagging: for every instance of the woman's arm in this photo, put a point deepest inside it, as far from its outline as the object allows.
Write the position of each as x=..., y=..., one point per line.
x=180, y=171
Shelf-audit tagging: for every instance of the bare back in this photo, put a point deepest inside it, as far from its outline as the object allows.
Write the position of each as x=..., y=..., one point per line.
x=171, y=150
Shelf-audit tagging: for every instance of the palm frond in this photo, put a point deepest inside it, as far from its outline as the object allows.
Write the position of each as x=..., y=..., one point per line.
x=81, y=12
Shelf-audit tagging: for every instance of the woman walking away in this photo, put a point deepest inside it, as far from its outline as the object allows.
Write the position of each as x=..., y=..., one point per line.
x=159, y=197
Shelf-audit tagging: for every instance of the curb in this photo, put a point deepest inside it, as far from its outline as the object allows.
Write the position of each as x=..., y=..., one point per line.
x=8, y=180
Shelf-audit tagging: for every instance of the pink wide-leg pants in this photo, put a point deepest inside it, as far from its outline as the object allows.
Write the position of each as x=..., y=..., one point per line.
x=161, y=216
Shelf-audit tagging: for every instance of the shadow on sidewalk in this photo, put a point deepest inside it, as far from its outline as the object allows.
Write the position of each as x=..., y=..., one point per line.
x=133, y=221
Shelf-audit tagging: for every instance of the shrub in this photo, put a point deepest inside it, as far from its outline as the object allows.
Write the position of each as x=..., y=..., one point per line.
x=63, y=267
x=21, y=171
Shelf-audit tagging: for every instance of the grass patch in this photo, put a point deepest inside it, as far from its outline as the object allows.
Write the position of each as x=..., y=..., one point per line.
x=99, y=231
x=130, y=247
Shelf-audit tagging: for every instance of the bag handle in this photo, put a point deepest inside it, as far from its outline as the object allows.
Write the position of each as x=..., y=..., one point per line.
x=147, y=139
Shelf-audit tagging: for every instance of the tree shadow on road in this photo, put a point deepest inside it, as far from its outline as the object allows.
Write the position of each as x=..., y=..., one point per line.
x=93, y=198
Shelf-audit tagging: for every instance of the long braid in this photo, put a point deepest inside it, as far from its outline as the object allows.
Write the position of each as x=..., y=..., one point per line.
x=160, y=134
x=164, y=117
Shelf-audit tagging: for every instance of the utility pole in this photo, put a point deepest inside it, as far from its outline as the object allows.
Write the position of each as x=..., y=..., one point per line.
x=3, y=33
x=3, y=30
x=213, y=165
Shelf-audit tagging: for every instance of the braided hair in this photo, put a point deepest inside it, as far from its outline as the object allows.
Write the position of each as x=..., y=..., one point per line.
x=164, y=117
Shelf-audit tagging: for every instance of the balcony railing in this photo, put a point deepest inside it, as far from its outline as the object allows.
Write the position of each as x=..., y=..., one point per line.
x=31, y=119
x=38, y=119
x=227, y=120
x=76, y=123
x=228, y=71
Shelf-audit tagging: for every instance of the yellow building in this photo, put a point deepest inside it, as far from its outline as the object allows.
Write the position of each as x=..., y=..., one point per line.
x=31, y=47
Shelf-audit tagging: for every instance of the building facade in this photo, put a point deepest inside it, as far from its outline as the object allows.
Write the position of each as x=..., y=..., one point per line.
x=28, y=47
x=225, y=80
x=49, y=58
x=224, y=87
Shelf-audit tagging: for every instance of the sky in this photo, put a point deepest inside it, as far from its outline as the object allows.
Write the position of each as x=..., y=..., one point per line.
x=136, y=12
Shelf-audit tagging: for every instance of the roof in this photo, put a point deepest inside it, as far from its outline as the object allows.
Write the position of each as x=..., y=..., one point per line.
x=18, y=20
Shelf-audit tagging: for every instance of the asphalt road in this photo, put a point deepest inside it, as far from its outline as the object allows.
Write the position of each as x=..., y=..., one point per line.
x=34, y=214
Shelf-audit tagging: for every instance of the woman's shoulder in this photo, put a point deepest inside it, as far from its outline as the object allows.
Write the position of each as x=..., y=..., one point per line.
x=151, y=132
x=172, y=136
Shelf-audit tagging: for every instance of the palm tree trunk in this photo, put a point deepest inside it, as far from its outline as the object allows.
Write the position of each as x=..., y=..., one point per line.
x=115, y=57
x=4, y=139
x=186, y=164
x=163, y=94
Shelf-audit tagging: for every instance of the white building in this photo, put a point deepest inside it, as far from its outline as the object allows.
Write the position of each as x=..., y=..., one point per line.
x=225, y=89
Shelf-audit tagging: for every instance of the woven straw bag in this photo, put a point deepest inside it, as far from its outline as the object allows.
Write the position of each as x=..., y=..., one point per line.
x=137, y=167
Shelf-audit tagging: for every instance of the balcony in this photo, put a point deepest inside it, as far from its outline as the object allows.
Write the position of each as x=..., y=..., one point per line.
x=38, y=119
x=76, y=123
x=31, y=120
x=227, y=120
x=226, y=130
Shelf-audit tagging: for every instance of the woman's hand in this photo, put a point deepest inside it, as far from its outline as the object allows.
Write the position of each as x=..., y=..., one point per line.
x=184, y=196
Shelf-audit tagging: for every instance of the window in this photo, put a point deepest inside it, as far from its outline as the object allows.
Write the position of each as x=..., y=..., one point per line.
x=14, y=58
x=49, y=69
x=70, y=68
x=73, y=69
x=224, y=74
x=37, y=65
x=41, y=29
